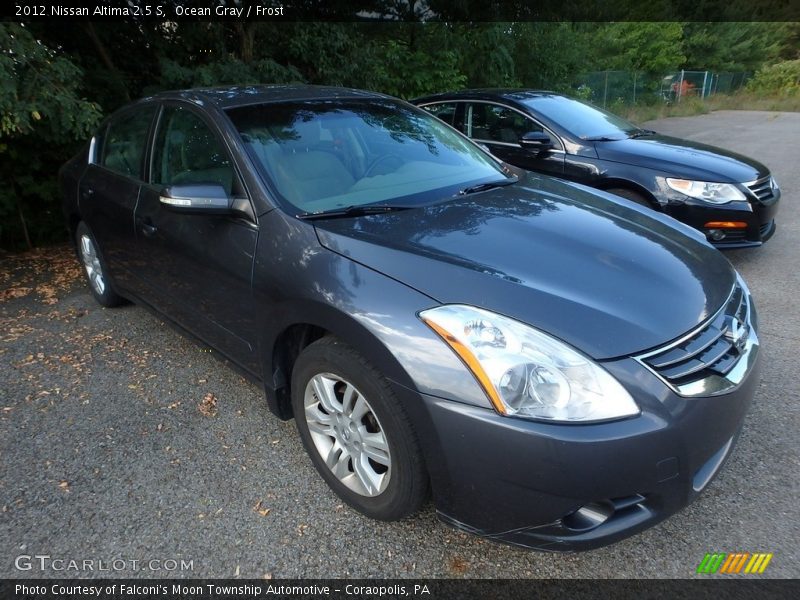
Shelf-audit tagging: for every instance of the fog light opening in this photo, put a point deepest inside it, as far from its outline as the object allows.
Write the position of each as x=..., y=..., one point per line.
x=716, y=235
x=589, y=516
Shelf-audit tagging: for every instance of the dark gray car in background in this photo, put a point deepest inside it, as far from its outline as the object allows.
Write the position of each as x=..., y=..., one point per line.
x=558, y=367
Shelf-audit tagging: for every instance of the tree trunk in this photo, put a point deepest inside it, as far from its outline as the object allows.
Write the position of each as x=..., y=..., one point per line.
x=23, y=222
x=105, y=56
x=247, y=41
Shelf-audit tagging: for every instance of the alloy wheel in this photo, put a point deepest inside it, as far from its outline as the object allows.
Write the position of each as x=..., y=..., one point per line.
x=91, y=262
x=347, y=434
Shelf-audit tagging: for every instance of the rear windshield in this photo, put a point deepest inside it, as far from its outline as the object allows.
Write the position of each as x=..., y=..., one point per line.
x=325, y=155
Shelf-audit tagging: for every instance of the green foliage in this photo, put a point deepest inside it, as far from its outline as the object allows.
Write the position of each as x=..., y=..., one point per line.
x=650, y=48
x=227, y=71
x=730, y=46
x=488, y=59
x=404, y=72
x=39, y=90
x=788, y=40
x=782, y=79
x=42, y=115
x=584, y=92
x=329, y=53
x=549, y=55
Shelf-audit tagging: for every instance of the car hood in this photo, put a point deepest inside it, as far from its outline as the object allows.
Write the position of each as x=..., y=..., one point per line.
x=682, y=158
x=605, y=276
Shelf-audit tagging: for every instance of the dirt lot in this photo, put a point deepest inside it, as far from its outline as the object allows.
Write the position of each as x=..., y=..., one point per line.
x=122, y=440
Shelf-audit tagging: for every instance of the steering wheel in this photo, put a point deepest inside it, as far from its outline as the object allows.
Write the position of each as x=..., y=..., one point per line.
x=381, y=159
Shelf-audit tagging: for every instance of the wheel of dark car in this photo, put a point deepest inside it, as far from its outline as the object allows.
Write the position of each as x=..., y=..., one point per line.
x=357, y=434
x=94, y=267
x=631, y=195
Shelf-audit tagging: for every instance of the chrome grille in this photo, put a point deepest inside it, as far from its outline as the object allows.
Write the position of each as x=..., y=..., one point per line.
x=762, y=188
x=713, y=349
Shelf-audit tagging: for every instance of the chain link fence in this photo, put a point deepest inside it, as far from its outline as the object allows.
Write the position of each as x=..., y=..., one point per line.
x=621, y=88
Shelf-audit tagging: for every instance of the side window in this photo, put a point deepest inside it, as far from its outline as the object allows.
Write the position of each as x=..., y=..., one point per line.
x=494, y=123
x=445, y=111
x=187, y=152
x=124, y=142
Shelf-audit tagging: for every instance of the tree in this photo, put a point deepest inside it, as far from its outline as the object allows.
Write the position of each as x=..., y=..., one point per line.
x=41, y=112
x=550, y=55
x=650, y=48
x=730, y=46
x=485, y=53
x=408, y=72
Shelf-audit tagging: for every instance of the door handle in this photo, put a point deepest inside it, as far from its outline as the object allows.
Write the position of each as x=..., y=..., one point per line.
x=148, y=228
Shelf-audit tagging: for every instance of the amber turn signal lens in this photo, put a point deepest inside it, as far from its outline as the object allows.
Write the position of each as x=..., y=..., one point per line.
x=726, y=225
x=473, y=364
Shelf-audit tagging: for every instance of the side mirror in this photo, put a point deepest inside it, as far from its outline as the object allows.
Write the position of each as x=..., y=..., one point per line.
x=200, y=198
x=536, y=140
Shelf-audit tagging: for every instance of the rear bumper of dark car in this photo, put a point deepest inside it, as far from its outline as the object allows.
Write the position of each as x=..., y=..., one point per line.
x=578, y=487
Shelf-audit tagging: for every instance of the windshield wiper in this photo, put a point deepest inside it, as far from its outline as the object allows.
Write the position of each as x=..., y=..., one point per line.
x=482, y=187
x=640, y=133
x=600, y=138
x=353, y=211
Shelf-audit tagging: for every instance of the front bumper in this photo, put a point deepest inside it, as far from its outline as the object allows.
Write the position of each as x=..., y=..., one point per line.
x=525, y=483
x=759, y=217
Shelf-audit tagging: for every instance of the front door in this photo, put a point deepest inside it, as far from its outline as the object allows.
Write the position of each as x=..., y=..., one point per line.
x=500, y=128
x=198, y=266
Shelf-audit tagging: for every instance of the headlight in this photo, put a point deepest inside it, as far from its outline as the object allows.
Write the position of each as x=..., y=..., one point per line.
x=715, y=193
x=527, y=373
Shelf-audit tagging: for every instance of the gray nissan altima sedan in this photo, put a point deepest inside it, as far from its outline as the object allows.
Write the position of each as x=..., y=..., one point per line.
x=558, y=367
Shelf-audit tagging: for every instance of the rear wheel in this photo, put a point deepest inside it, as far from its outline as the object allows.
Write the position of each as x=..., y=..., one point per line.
x=356, y=432
x=94, y=267
x=631, y=195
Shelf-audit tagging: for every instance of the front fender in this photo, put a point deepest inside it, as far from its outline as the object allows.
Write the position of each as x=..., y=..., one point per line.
x=296, y=281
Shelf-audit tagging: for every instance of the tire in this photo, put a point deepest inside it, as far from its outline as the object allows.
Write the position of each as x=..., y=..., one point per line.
x=94, y=267
x=377, y=466
x=631, y=195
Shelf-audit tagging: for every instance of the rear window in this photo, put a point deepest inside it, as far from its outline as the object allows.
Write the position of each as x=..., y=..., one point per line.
x=124, y=142
x=444, y=111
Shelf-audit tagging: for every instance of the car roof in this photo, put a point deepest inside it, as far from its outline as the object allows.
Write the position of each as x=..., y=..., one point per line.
x=232, y=96
x=516, y=94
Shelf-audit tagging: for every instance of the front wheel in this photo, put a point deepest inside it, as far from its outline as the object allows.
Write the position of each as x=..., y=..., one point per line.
x=357, y=434
x=94, y=267
x=631, y=195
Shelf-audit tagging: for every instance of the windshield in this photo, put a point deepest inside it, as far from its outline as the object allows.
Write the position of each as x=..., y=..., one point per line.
x=327, y=155
x=581, y=119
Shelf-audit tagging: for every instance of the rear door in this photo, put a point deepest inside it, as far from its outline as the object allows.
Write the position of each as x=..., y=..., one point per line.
x=500, y=127
x=109, y=189
x=198, y=265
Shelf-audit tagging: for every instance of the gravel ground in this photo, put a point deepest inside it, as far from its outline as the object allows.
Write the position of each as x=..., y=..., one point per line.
x=122, y=440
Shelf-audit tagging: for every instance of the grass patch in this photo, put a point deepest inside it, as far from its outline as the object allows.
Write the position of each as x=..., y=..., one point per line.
x=694, y=106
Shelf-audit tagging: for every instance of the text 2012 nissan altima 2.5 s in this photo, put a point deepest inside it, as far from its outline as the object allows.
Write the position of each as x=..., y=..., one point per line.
x=559, y=368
